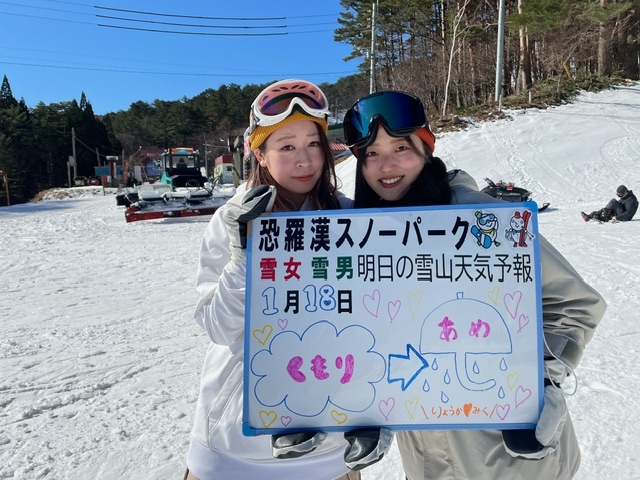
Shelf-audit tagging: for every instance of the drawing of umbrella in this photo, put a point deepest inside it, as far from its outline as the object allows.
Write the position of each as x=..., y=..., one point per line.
x=465, y=327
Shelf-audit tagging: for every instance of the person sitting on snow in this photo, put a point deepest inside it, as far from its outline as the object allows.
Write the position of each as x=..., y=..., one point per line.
x=621, y=210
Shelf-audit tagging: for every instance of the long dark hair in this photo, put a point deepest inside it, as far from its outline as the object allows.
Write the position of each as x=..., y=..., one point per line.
x=323, y=194
x=431, y=187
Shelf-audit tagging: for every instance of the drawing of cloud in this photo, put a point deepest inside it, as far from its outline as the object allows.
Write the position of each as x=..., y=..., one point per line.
x=322, y=366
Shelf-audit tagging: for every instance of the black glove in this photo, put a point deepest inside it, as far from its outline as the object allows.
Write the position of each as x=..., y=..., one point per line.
x=240, y=210
x=366, y=446
x=539, y=442
x=293, y=445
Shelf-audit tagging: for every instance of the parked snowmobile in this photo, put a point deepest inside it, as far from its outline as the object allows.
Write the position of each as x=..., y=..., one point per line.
x=509, y=192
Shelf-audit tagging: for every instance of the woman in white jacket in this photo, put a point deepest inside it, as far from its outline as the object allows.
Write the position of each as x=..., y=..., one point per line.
x=294, y=170
x=390, y=135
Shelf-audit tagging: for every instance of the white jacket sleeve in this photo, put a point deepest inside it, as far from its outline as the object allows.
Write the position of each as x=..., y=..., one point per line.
x=220, y=285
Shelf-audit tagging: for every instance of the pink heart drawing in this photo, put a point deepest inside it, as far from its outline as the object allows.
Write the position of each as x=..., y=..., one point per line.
x=512, y=302
x=522, y=394
x=523, y=321
x=372, y=302
x=386, y=406
x=503, y=411
x=282, y=323
x=393, y=308
x=286, y=420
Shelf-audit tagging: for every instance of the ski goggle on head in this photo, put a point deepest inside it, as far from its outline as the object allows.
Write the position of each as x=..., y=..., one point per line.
x=400, y=113
x=278, y=101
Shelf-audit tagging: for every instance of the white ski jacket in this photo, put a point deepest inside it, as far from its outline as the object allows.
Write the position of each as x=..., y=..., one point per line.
x=571, y=311
x=218, y=449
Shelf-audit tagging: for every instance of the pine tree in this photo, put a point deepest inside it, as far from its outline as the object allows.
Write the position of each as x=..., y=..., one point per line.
x=6, y=96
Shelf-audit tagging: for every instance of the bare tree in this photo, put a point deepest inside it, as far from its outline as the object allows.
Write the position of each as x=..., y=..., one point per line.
x=604, y=43
x=525, y=58
x=456, y=33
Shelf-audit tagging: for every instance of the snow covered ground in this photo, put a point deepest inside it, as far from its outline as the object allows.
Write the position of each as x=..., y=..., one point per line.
x=100, y=358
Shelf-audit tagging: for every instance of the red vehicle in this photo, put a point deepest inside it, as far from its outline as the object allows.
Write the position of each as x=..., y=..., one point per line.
x=94, y=180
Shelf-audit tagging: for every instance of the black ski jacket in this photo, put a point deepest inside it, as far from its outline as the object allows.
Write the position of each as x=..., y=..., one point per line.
x=630, y=203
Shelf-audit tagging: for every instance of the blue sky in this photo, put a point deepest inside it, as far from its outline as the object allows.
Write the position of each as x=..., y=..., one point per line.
x=53, y=50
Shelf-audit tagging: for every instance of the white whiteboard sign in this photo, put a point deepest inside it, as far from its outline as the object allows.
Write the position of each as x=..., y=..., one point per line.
x=410, y=318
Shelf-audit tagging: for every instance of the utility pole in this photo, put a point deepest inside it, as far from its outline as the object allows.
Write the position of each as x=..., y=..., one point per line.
x=206, y=160
x=73, y=146
x=6, y=185
x=372, y=63
x=500, y=53
x=98, y=160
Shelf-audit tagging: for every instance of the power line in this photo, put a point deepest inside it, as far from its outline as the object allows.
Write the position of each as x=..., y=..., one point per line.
x=45, y=8
x=205, y=34
x=93, y=150
x=188, y=24
x=178, y=32
x=196, y=25
x=48, y=64
x=48, y=18
x=199, y=17
x=165, y=14
x=120, y=60
x=139, y=12
x=177, y=74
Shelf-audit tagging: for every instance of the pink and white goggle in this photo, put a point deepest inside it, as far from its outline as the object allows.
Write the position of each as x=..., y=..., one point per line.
x=277, y=102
